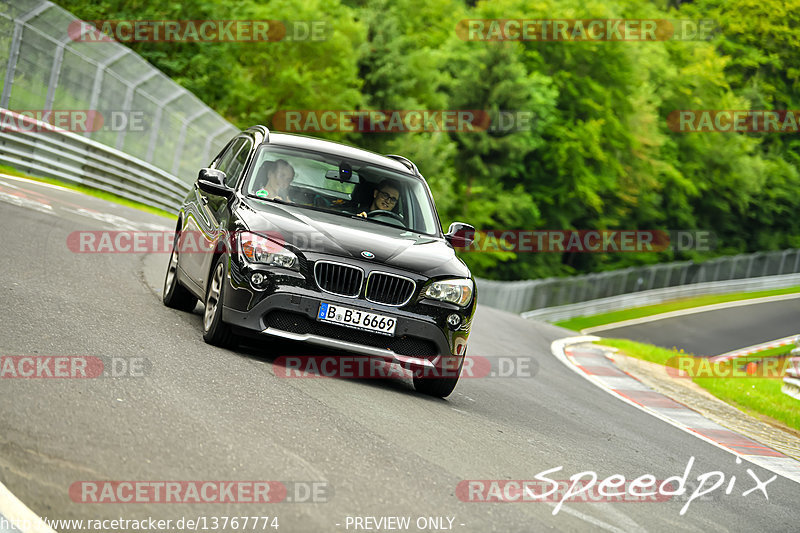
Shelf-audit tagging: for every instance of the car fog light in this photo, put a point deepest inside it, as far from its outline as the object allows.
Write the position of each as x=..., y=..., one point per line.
x=454, y=321
x=258, y=279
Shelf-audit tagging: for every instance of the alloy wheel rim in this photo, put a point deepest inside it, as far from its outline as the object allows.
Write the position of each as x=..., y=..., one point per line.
x=213, y=298
x=171, y=271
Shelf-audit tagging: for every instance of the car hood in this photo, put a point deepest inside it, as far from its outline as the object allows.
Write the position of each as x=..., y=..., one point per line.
x=312, y=231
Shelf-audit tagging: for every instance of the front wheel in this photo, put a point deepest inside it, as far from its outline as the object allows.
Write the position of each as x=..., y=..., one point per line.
x=215, y=331
x=441, y=387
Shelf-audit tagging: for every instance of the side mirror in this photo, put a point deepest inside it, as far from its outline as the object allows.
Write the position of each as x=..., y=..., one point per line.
x=212, y=181
x=460, y=235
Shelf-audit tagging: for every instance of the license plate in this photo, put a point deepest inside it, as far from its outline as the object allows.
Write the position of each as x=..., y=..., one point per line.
x=353, y=318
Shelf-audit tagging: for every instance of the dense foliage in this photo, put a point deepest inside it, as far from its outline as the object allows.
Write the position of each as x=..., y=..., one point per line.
x=599, y=153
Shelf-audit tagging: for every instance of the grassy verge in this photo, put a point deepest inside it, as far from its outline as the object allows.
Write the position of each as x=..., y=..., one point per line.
x=103, y=195
x=581, y=322
x=756, y=396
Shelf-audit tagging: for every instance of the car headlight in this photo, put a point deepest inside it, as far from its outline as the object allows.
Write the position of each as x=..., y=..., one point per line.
x=457, y=291
x=261, y=250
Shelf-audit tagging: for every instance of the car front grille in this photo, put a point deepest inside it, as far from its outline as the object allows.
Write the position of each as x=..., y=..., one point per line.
x=301, y=324
x=338, y=279
x=389, y=289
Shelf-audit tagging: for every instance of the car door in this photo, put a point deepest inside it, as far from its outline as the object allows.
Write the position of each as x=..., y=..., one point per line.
x=216, y=208
x=199, y=222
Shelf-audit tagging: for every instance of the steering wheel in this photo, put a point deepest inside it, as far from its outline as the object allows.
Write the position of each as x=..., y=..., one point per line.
x=388, y=213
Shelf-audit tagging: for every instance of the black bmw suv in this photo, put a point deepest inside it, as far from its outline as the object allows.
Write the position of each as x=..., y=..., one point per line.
x=314, y=241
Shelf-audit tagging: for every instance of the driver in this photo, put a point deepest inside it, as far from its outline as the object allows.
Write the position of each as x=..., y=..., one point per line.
x=384, y=198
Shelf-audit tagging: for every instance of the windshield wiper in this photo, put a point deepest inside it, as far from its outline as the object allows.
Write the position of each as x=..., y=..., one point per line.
x=267, y=199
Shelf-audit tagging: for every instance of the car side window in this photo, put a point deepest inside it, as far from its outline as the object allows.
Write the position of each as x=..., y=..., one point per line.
x=225, y=155
x=237, y=162
x=224, y=161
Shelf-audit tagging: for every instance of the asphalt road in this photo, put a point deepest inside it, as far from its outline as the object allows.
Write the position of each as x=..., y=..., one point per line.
x=720, y=331
x=202, y=413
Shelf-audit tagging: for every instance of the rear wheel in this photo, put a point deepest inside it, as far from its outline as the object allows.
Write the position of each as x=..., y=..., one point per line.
x=174, y=294
x=440, y=387
x=215, y=331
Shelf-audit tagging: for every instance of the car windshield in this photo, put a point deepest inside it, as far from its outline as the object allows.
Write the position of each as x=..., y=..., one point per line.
x=344, y=186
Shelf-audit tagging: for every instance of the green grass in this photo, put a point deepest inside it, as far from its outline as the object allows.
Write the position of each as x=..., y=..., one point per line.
x=582, y=322
x=756, y=396
x=103, y=195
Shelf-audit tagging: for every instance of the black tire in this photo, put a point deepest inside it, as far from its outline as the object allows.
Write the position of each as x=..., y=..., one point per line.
x=215, y=331
x=174, y=294
x=441, y=387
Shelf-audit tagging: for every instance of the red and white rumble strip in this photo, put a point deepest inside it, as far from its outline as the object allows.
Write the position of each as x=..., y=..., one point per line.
x=591, y=362
x=754, y=349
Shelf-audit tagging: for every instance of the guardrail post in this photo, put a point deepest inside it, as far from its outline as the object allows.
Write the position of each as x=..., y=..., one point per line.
x=151, y=147
x=55, y=70
x=652, y=279
x=684, y=273
x=13, y=55
x=716, y=270
x=783, y=261
x=182, y=139
x=98, y=79
x=750, y=266
x=210, y=139
x=128, y=102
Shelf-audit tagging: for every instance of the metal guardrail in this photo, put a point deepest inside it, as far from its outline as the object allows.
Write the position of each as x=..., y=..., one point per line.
x=656, y=296
x=791, y=381
x=46, y=67
x=166, y=133
x=66, y=156
x=585, y=294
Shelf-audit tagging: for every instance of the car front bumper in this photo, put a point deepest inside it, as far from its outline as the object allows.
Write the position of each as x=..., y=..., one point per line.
x=290, y=314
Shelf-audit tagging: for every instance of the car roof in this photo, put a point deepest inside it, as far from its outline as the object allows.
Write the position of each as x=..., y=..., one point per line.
x=330, y=147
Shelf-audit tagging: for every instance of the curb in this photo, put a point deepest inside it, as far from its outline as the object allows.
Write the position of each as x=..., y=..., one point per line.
x=791, y=339
x=19, y=515
x=592, y=363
